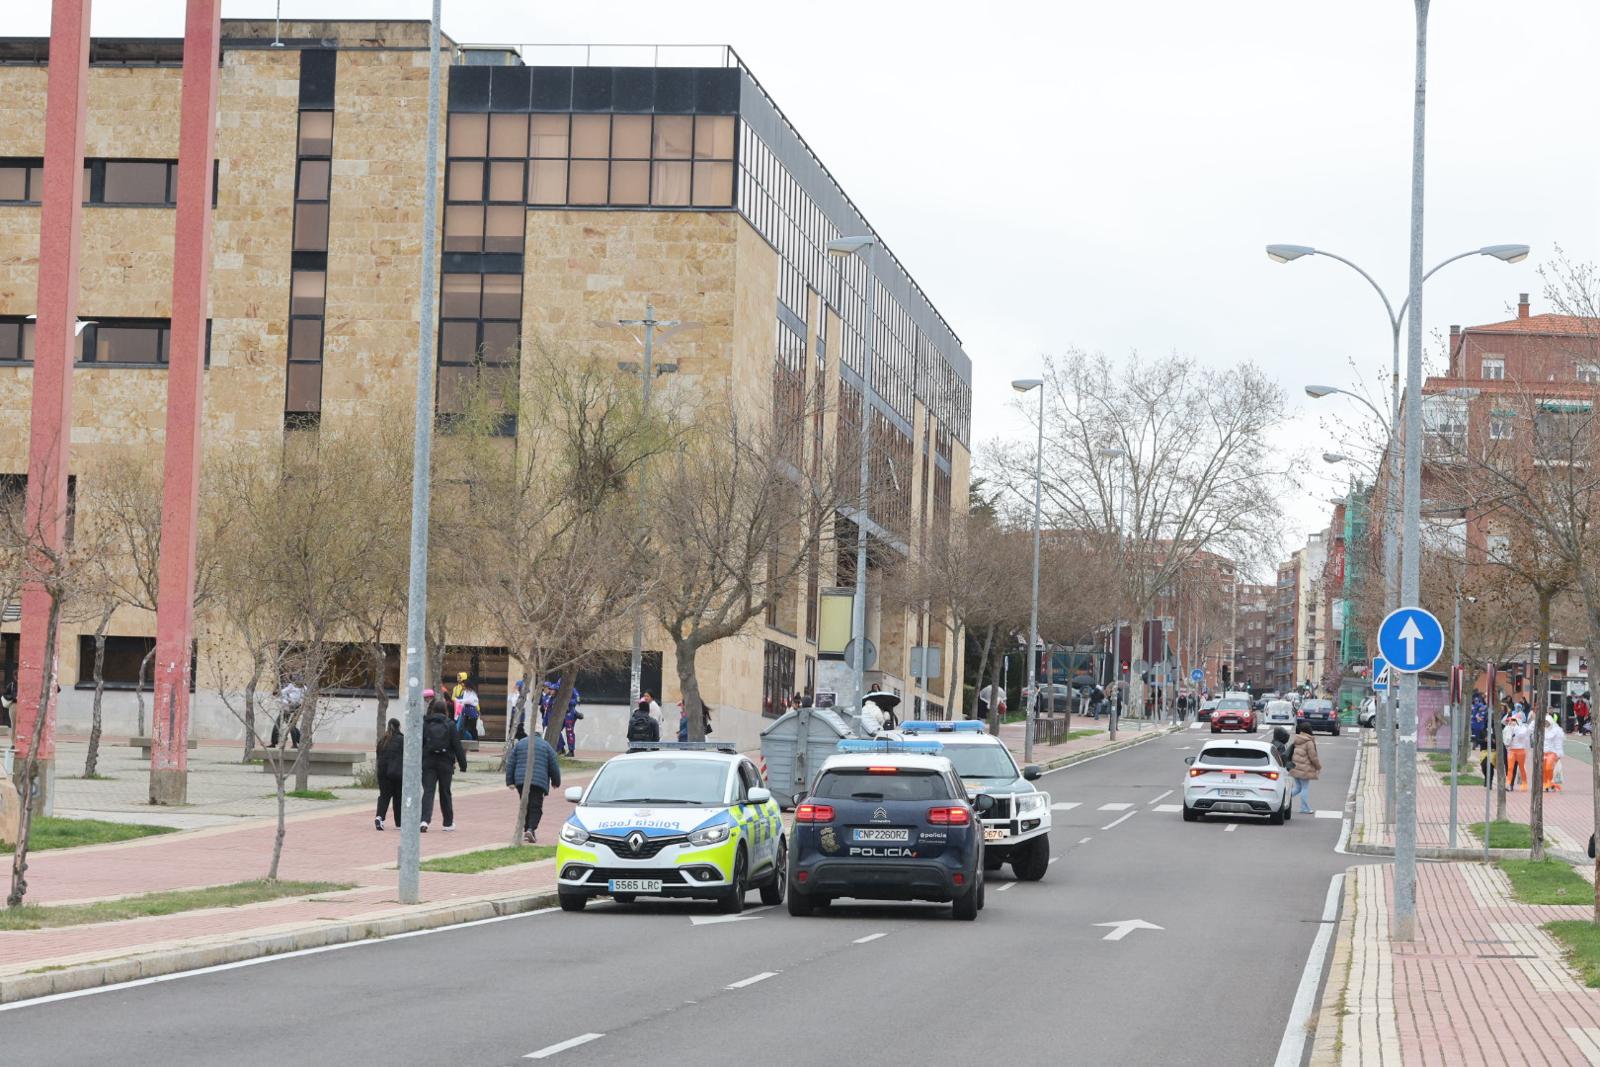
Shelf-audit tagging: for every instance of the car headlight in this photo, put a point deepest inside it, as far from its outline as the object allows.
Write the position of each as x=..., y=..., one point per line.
x=573, y=834
x=711, y=835
x=1030, y=802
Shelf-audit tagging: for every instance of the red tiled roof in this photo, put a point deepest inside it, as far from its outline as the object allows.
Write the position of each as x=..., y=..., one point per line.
x=1547, y=324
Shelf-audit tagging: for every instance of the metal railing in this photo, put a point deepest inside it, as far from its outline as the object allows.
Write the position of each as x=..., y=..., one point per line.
x=609, y=55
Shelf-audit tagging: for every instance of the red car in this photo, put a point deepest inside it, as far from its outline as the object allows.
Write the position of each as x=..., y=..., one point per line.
x=1233, y=713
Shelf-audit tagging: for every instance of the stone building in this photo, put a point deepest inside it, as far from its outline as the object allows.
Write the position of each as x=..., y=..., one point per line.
x=569, y=194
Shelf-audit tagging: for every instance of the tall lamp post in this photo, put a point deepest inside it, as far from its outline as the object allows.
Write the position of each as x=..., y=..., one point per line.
x=849, y=246
x=1116, y=641
x=1025, y=385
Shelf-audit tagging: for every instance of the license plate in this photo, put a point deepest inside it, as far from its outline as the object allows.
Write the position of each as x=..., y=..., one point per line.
x=1233, y=792
x=994, y=833
x=634, y=885
x=869, y=834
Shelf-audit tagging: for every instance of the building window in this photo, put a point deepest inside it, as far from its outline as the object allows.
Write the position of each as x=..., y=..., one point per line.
x=106, y=182
x=1589, y=373
x=1444, y=425
x=21, y=181
x=123, y=658
x=1497, y=547
x=16, y=339
x=777, y=679
x=1493, y=368
x=1502, y=426
x=480, y=329
x=308, y=282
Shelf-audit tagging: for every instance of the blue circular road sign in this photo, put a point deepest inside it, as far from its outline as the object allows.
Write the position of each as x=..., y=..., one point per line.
x=1411, y=639
x=1197, y=675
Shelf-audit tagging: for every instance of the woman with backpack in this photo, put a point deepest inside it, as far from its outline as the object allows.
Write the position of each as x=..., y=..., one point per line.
x=1305, y=766
x=391, y=769
x=441, y=753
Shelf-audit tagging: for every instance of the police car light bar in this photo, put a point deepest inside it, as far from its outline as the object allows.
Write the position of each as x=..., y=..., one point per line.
x=926, y=748
x=682, y=746
x=920, y=726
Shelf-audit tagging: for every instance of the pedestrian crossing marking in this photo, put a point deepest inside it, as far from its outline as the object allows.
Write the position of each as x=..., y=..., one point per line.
x=1114, y=807
x=1067, y=805
x=1330, y=814
x=1169, y=808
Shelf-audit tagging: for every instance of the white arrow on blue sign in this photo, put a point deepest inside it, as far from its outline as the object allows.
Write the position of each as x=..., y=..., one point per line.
x=1411, y=639
x=1380, y=674
x=1197, y=675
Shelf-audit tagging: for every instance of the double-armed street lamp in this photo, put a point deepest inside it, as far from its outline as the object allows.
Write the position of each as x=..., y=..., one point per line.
x=1026, y=385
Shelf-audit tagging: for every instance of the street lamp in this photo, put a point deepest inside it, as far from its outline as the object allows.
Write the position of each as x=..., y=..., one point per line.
x=1027, y=385
x=849, y=246
x=1110, y=452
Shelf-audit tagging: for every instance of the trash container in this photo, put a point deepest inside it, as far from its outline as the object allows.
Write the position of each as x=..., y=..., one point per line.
x=795, y=745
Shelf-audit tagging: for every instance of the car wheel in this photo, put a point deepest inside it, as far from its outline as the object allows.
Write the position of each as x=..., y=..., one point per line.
x=1190, y=815
x=1030, y=861
x=624, y=898
x=1276, y=818
x=731, y=901
x=1216, y=729
x=965, y=906
x=772, y=892
x=1252, y=729
x=799, y=903
x=1288, y=809
x=1335, y=731
x=572, y=901
x=992, y=861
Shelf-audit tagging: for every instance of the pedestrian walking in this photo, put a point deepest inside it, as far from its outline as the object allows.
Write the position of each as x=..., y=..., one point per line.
x=1305, y=766
x=1282, y=746
x=391, y=764
x=515, y=715
x=655, y=708
x=1517, y=738
x=683, y=722
x=1097, y=702
x=441, y=754
x=291, y=698
x=467, y=711
x=460, y=686
x=1555, y=746
x=642, y=726
x=539, y=774
x=567, y=741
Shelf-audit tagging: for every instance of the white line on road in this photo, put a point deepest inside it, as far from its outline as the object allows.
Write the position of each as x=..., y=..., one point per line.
x=1230, y=828
x=869, y=937
x=1085, y=840
x=752, y=980
x=562, y=1046
x=1122, y=819
x=1160, y=798
x=1293, y=1047
x=1168, y=809
x=1054, y=858
x=1329, y=814
x=1003, y=888
x=1114, y=807
x=1066, y=805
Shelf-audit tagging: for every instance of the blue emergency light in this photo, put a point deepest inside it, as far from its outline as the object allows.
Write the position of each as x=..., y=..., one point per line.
x=923, y=726
x=923, y=748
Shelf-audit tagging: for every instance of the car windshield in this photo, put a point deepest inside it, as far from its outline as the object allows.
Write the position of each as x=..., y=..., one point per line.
x=980, y=761
x=1317, y=705
x=1234, y=756
x=1279, y=707
x=853, y=783
x=659, y=781
x=1233, y=704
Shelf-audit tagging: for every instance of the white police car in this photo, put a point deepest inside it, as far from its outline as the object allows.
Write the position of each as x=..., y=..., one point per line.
x=1016, y=829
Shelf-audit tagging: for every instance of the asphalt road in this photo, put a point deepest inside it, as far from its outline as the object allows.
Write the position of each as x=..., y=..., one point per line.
x=1033, y=981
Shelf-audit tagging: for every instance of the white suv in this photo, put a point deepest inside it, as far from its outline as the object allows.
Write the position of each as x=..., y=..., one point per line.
x=1236, y=778
x=1017, y=829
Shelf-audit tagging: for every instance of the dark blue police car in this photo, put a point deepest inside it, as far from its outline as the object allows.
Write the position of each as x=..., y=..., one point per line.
x=887, y=820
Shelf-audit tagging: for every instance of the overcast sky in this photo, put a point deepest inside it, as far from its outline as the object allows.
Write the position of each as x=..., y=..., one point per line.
x=1104, y=175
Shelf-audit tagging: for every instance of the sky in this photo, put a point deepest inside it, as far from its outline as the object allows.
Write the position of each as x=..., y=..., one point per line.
x=1104, y=176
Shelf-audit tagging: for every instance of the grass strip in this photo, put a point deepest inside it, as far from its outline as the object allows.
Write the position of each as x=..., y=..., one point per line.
x=47, y=832
x=312, y=794
x=1505, y=834
x=1580, y=940
x=1546, y=882
x=40, y=916
x=488, y=859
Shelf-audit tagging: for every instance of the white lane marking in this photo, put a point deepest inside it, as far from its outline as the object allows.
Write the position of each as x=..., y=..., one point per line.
x=869, y=937
x=1230, y=828
x=236, y=964
x=752, y=980
x=1168, y=809
x=1052, y=860
x=1121, y=819
x=1120, y=930
x=562, y=1046
x=1291, y=1050
x=1085, y=840
x=712, y=920
x=1160, y=798
x=1328, y=814
x=1066, y=805
x=1114, y=807
x=1003, y=888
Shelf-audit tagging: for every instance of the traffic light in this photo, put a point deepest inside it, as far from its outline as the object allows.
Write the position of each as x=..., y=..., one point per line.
x=1227, y=675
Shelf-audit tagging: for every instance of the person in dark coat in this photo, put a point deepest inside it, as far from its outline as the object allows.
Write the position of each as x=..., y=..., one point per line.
x=642, y=726
x=441, y=753
x=391, y=769
x=540, y=774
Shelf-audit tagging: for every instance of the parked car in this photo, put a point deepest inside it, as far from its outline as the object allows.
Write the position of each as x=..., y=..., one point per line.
x=1367, y=717
x=1320, y=715
x=1236, y=778
x=1066, y=697
x=1233, y=713
x=1206, y=708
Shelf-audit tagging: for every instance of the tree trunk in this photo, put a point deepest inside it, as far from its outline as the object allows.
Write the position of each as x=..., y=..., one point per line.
x=93, y=759
x=279, y=776
x=435, y=631
x=1540, y=697
x=138, y=689
x=1135, y=705
x=558, y=711
x=28, y=778
x=257, y=664
x=376, y=661
x=689, y=688
x=524, y=706
x=307, y=720
x=998, y=654
x=983, y=664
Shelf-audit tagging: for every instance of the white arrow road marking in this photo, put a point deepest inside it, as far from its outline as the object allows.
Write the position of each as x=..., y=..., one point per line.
x=1160, y=798
x=1120, y=930
x=1066, y=805
x=1114, y=807
x=1085, y=840
x=752, y=980
x=1003, y=888
x=1168, y=808
x=869, y=937
x=1230, y=828
x=1410, y=634
x=712, y=920
x=562, y=1046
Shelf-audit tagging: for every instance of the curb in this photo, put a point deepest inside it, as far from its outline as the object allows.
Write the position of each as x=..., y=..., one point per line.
x=1115, y=746
x=1468, y=855
x=1327, y=1033
x=172, y=961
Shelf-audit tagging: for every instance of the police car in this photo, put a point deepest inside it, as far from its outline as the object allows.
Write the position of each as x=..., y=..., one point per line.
x=1017, y=829
x=888, y=820
x=685, y=819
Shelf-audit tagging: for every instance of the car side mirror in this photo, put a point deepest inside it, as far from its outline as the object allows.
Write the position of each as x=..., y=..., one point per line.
x=1189, y=760
x=983, y=803
x=1031, y=772
x=760, y=796
x=575, y=794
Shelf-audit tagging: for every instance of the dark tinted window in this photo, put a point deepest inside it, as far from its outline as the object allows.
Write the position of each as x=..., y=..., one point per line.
x=1233, y=756
x=141, y=182
x=863, y=785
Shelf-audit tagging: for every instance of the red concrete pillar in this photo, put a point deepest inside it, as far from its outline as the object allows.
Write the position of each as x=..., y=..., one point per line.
x=180, y=489
x=54, y=350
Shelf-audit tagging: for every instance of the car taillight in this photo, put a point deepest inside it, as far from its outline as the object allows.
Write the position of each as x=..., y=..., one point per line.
x=949, y=816
x=813, y=813
x=1195, y=772
x=1269, y=774
x=883, y=770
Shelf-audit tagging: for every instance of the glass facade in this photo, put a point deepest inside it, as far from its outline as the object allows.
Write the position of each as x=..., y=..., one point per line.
x=308, y=282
